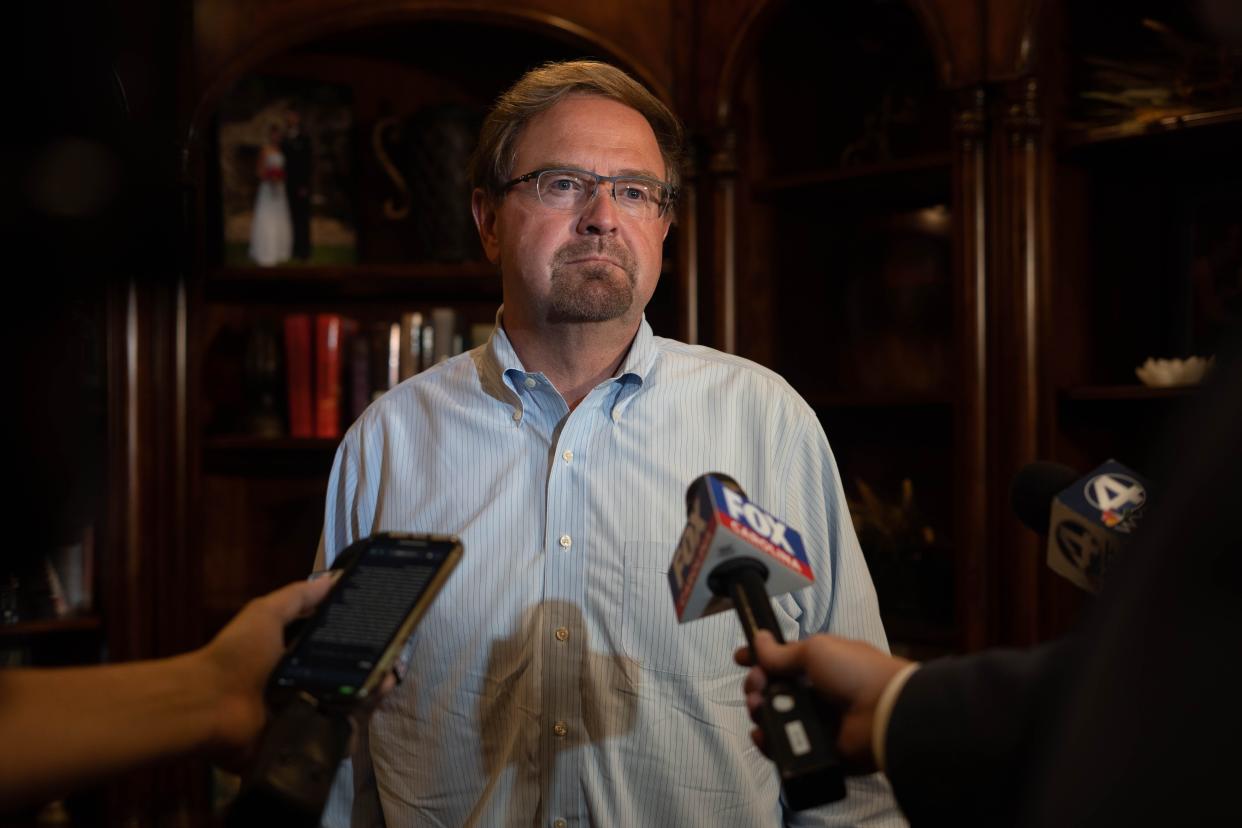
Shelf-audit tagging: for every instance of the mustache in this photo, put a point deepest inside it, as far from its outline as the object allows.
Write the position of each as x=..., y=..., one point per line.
x=603, y=246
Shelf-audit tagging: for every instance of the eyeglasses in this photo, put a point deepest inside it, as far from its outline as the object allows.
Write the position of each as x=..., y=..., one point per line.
x=570, y=190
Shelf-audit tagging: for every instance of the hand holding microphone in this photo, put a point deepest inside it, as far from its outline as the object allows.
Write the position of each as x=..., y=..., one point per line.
x=849, y=675
x=734, y=554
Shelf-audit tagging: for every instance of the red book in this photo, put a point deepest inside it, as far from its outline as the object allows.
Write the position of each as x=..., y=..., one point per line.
x=356, y=370
x=298, y=378
x=327, y=375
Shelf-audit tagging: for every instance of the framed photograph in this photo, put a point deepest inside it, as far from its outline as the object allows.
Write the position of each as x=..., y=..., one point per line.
x=285, y=173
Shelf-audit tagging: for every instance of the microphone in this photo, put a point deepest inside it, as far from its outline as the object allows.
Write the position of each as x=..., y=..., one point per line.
x=298, y=753
x=294, y=767
x=1091, y=517
x=733, y=554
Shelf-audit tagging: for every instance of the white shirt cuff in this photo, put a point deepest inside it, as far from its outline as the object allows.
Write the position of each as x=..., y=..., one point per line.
x=884, y=711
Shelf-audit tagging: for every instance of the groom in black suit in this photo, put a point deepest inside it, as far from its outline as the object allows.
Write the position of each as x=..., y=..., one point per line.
x=296, y=147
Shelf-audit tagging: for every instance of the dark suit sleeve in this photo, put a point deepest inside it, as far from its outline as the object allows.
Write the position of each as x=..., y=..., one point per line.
x=1153, y=733
x=965, y=730
x=1135, y=721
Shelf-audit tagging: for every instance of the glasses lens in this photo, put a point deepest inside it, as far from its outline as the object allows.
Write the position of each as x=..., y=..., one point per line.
x=564, y=189
x=639, y=196
x=571, y=190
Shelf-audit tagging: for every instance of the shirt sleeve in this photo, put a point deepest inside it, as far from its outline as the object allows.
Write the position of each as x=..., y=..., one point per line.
x=353, y=801
x=343, y=520
x=842, y=601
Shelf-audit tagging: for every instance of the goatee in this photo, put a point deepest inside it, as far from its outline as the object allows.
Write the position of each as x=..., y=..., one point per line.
x=592, y=291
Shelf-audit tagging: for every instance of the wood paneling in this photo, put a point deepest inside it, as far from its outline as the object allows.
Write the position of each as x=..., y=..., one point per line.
x=232, y=36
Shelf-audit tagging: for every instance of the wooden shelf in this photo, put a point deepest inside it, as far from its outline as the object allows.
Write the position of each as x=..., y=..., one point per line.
x=1118, y=393
x=1111, y=133
x=807, y=181
x=453, y=282
x=269, y=456
x=273, y=445
x=863, y=400
x=51, y=626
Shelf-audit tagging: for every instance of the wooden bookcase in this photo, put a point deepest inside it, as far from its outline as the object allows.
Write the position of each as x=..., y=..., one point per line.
x=261, y=500
x=1145, y=196
x=845, y=250
x=966, y=295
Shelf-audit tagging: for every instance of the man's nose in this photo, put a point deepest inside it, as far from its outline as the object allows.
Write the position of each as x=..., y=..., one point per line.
x=599, y=216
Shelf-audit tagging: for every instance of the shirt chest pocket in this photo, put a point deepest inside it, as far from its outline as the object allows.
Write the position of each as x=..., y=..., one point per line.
x=652, y=636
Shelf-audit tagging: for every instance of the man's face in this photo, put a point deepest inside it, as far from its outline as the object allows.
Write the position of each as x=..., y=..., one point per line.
x=598, y=264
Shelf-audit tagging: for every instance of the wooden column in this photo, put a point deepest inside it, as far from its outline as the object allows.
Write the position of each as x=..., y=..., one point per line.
x=1014, y=263
x=970, y=331
x=724, y=200
x=688, y=253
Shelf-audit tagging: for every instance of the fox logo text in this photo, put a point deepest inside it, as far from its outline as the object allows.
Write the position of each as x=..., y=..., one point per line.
x=760, y=521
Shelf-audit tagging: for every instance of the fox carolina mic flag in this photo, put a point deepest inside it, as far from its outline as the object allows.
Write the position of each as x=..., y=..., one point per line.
x=724, y=526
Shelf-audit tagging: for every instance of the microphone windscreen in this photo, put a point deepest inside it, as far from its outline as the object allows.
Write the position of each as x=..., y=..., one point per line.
x=699, y=486
x=1034, y=488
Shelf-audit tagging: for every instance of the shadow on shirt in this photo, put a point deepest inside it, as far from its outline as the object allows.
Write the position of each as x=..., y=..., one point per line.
x=545, y=693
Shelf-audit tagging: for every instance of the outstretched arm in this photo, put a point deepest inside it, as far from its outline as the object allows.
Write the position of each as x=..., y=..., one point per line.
x=65, y=727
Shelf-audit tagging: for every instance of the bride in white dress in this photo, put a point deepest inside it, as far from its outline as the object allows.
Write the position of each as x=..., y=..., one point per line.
x=271, y=229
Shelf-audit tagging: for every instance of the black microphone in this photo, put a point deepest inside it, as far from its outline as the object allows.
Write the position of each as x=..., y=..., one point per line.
x=1088, y=519
x=1034, y=488
x=734, y=554
x=295, y=764
x=298, y=753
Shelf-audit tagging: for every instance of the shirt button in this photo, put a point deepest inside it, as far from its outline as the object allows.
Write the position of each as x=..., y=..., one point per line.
x=517, y=415
x=530, y=382
x=566, y=541
x=560, y=823
x=562, y=634
x=560, y=729
x=567, y=455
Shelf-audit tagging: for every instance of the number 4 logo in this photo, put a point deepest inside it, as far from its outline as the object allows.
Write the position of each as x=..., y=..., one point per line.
x=1114, y=492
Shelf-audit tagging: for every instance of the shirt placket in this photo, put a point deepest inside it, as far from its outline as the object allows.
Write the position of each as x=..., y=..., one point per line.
x=566, y=641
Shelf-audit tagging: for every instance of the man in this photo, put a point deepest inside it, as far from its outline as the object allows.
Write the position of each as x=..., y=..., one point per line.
x=1133, y=721
x=551, y=683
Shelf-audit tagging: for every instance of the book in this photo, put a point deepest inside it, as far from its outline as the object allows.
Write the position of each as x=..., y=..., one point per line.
x=261, y=383
x=358, y=370
x=385, y=339
x=394, y=355
x=429, y=343
x=412, y=354
x=445, y=342
x=298, y=376
x=72, y=567
x=327, y=375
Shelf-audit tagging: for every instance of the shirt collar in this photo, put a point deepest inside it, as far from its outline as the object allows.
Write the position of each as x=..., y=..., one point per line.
x=499, y=360
x=501, y=357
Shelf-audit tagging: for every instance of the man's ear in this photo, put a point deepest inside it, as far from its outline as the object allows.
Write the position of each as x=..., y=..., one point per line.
x=484, y=211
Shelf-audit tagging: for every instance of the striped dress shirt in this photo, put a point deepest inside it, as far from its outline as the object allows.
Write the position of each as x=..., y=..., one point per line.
x=550, y=682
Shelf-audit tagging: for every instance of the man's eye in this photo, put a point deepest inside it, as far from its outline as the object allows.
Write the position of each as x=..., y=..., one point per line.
x=635, y=194
x=565, y=184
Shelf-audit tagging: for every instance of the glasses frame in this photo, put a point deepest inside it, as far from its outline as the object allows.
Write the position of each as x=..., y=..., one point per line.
x=534, y=175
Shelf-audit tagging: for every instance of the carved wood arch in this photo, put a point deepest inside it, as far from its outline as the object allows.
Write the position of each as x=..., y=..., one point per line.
x=292, y=29
x=741, y=50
